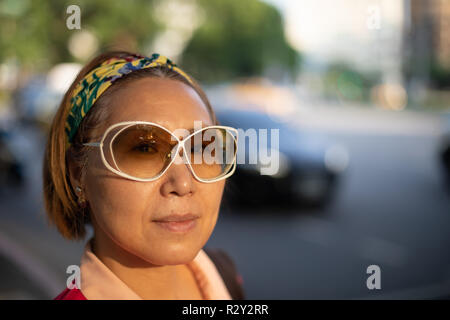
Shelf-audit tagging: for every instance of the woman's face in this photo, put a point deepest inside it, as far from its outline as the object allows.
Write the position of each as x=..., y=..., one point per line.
x=124, y=209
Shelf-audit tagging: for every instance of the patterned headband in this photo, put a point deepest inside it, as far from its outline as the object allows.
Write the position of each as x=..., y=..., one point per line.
x=89, y=89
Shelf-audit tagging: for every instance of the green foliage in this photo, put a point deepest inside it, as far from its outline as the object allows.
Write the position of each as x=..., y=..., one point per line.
x=440, y=75
x=35, y=32
x=238, y=39
x=344, y=82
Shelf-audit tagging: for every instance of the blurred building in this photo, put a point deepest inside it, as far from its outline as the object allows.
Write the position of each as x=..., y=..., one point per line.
x=441, y=27
x=427, y=36
x=432, y=19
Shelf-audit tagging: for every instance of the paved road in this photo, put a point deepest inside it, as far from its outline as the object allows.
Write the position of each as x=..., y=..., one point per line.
x=391, y=210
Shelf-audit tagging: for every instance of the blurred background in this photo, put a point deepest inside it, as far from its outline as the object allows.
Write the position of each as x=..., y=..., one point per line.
x=360, y=91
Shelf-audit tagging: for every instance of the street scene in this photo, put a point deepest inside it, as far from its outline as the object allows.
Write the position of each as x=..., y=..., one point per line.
x=359, y=96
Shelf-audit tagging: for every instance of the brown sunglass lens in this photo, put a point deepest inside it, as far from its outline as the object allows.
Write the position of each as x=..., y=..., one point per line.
x=211, y=152
x=141, y=150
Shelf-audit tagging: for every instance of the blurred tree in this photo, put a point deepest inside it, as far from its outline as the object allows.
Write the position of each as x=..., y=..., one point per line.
x=35, y=32
x=439, y=75
x=342, y=81
x=238, y=39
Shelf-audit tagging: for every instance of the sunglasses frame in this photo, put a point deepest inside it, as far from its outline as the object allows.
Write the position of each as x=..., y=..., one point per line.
x=180, y=144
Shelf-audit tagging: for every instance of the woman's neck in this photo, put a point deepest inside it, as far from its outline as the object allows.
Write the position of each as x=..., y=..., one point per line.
x=150, y=282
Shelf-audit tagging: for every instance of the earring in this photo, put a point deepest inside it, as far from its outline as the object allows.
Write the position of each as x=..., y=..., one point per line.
x=81, y=200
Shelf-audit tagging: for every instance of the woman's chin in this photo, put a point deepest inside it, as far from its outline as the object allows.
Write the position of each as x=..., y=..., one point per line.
x=174, y=254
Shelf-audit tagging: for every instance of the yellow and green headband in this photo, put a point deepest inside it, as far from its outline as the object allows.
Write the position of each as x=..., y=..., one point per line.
x=89, y=89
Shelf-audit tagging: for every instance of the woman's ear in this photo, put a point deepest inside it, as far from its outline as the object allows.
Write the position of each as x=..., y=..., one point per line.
x=75, y=172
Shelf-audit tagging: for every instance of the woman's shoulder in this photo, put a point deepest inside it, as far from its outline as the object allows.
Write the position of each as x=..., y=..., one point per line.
x=227, y=269
x=70, y=294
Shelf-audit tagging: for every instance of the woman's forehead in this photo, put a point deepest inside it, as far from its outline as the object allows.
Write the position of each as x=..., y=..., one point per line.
x=168, y=103
x=172, y=124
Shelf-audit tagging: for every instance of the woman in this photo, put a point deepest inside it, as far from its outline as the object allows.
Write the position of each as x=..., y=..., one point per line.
x=135, y=150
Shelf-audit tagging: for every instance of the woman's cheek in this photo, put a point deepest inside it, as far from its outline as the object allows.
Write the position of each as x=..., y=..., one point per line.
x=119, y=207
x=211, y=206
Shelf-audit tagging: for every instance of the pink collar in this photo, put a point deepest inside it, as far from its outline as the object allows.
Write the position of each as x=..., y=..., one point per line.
x=98, y=282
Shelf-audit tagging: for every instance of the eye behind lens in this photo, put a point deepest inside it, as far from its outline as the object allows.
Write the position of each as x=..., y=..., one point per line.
x=145, y=148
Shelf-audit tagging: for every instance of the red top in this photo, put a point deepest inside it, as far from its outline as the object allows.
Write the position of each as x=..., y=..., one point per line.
x=70, y=294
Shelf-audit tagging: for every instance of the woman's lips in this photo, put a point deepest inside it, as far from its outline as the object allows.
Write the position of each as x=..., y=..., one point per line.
x=178, y=223
x=178, y=226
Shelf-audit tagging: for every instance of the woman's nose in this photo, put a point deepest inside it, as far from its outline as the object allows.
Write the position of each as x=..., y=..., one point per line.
x=178, y=179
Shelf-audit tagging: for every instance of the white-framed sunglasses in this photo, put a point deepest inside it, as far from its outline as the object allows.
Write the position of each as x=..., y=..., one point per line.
x=144, y=151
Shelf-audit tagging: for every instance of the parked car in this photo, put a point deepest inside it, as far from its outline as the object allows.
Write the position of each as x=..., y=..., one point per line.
x=11, y=168
x=309, y=164
x=444, y=152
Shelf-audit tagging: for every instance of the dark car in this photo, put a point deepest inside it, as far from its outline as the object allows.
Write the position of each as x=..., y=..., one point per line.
x=444, y=152
x=309, y=164
x=11, y=168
